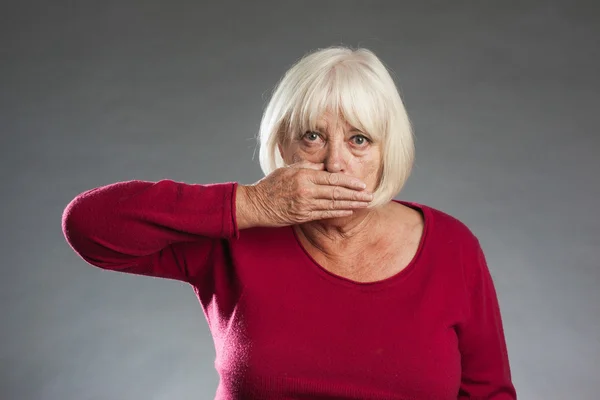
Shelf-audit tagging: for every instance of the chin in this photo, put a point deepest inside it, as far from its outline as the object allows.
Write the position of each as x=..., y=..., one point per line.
x=341, y=221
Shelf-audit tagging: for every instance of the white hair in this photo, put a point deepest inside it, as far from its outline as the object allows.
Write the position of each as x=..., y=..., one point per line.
x=356, y=85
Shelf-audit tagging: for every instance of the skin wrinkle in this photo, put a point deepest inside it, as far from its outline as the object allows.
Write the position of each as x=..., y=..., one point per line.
x=357, y=246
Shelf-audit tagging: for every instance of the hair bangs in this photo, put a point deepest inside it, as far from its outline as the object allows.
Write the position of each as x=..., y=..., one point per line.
x=310, y=104
x=345, y=91
x=356, y=101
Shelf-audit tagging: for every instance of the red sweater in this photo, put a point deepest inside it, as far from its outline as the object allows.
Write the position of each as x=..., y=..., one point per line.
x=286, y=328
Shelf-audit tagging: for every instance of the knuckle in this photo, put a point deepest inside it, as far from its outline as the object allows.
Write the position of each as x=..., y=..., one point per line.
x=305, y=175
x=334, y=179
x=295, y=184
x=303, y=191
x=296, y=172
x=301, y=215
x=336, y=193
x=301, y=172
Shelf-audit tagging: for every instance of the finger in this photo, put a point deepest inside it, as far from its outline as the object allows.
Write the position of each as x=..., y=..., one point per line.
x=337, y=179
x=330, y=205
x=339, y=193
x=330, y=214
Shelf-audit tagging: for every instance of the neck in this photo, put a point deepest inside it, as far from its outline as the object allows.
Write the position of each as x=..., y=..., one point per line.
x=336, y=236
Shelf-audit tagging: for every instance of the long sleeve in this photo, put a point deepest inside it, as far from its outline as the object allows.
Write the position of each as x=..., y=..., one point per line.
x=485, y=365
x=164, y=229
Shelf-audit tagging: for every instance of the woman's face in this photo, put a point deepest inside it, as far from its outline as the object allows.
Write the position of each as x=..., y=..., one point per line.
x=341, y=147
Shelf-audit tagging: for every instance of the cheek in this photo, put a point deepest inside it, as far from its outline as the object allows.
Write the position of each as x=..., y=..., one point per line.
x=296, y=158
x=368, y=166
x=293, y=156
x=297, y=154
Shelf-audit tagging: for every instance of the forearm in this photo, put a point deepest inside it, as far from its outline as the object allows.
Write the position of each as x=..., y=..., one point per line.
x=118, y=223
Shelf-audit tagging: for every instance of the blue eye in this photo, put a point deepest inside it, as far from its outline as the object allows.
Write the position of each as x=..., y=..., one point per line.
x=311, y=136
x=360, y=140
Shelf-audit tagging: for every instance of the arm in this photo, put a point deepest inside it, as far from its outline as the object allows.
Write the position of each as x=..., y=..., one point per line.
x=485, y=366
x=164, y=229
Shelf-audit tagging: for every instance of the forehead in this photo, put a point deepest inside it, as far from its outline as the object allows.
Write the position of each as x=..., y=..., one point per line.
x=329, y=120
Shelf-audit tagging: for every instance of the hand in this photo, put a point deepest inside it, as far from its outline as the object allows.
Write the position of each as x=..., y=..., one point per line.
x=300, y=193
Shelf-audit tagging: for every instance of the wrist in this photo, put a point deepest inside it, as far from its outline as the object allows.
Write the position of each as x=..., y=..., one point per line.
x=245, y=209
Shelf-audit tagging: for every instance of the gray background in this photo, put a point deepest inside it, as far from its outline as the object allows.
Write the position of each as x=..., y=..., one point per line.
x=504, y=100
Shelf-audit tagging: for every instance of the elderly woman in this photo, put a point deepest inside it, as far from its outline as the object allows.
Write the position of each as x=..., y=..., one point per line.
x=315, y=283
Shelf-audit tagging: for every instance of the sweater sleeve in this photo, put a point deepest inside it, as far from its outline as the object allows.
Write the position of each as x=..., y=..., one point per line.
x=164, y=229
x=485, y=365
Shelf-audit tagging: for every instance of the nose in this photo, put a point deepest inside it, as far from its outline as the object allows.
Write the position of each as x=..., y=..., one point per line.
x=335, y=158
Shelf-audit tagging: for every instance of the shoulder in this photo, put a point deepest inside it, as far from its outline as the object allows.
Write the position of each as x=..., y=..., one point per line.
x=450, y=241
x=472, y=262
x=450, y=238
x=443, y=226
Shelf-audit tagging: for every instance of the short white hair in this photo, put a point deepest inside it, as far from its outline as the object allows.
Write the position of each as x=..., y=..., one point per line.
x=356, y=85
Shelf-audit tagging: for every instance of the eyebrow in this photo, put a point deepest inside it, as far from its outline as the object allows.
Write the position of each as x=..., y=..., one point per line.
x=324, y=128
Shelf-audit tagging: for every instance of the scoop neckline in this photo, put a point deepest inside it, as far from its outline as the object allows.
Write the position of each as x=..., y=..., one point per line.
x=374, y=285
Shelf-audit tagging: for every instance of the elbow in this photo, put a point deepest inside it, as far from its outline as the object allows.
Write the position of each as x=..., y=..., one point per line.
x=68, y=221
x=72, y=223
x=77, y=229
x=89, y=231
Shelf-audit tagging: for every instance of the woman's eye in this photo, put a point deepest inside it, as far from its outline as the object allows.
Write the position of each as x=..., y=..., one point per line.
x=311, y=136
x=360, y=140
